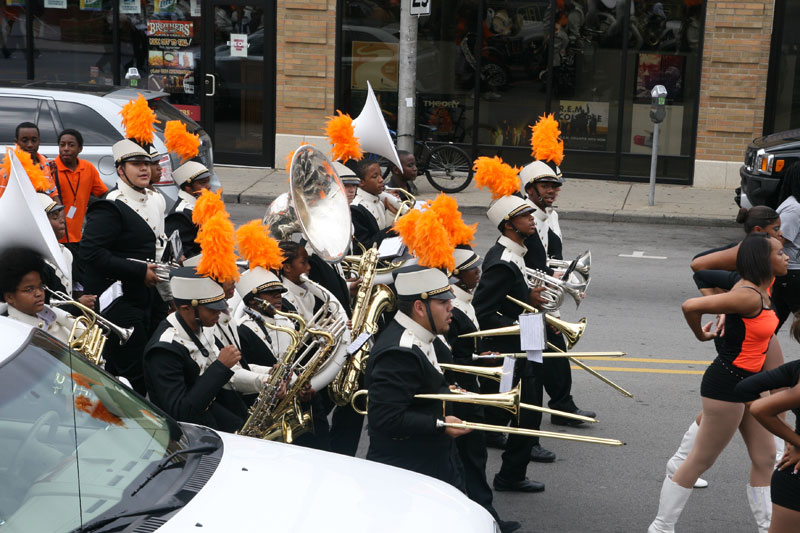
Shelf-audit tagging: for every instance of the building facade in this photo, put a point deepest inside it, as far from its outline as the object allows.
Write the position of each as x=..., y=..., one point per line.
x=261, y=75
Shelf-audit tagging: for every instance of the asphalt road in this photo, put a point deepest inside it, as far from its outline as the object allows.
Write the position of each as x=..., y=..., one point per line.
x=633, y=305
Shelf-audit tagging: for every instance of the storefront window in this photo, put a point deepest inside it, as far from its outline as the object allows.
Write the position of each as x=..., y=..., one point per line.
x=606, y=56
x=785, y=92
x=12, y=38
x=161, y=39
x=72, y=41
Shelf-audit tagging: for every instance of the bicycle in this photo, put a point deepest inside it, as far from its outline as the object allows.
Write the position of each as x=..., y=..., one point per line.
x=447, y=167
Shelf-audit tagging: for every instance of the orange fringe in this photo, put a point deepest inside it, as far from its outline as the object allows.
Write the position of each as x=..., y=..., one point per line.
x=180, y=141
x=426, y=238
x=257, y=247
x=545, y=142
x=207, y=205
x=499, y=177
x=341, y=135
x=446, y=207
x=218, y=260
x=32, y=169
x=138, y=120
x=97, y=410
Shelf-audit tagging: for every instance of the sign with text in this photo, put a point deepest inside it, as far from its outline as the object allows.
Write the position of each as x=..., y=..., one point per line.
x=420, y=8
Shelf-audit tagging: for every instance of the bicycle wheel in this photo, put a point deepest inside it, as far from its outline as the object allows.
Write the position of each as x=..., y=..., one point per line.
x=449, y=168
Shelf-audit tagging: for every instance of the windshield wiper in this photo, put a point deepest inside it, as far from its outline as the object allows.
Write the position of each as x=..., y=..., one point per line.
x=165, y=462
x=96, y=524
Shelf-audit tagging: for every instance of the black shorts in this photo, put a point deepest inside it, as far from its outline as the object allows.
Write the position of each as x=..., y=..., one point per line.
x=720, y=380
x=785, y=489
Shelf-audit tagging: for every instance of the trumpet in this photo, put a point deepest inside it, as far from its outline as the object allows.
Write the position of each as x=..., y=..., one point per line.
x=581, y=265
x=89, y=331
x=163, y=270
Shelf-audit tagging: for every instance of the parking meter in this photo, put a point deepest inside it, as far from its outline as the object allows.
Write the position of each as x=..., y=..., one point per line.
x=133, y=76
x=658, y=104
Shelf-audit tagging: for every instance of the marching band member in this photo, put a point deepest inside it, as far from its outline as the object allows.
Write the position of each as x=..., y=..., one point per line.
x=504, y=268
x=542, y=181
x=471, y=447
x=372, y=214
x=128, y=223
x=403, y=178
x=186, y=373
x=22, y=288
x=404, y=431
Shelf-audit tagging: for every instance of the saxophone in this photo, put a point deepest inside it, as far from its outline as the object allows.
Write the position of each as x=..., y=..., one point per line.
x=260, y=420
x=370, y=302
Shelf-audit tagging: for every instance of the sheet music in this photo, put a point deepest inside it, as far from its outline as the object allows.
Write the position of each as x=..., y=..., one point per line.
x=113, y=292
x=507, y=379
x=532, y=335
x=391, y=247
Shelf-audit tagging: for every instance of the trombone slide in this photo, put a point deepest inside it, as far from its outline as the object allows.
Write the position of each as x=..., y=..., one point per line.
x=523, y=355
x=529, y=432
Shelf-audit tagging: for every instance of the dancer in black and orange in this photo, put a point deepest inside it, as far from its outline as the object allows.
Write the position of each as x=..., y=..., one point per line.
x=750, y=322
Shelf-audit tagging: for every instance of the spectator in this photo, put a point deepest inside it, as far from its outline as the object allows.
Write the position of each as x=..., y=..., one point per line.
x=27, y=139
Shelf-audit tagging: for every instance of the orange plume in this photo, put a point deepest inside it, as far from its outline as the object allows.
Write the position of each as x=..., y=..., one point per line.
x=446, y=207
x=258, y=247
x=207, y=205
x=218, y=260
x=180, y=141
x=32, y=169
x=138, y=120
x=426, y=238
x=546, y=144
x=501, y=178
x=341, y=135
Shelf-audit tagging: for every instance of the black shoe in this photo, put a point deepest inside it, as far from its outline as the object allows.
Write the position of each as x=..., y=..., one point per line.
x=540, y=455
x=507, y=526
x=496, y=440
x=523, y=485
x=563, y=421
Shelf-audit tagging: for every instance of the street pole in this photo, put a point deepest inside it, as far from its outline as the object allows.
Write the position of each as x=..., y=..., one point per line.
x=407, y=84
x=658, y=112
x=653, y=161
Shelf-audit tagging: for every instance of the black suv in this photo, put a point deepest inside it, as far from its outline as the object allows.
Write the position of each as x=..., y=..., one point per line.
x=765, y=163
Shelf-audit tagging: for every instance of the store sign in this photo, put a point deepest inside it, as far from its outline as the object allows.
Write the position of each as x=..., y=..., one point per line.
x=170, y=57
x=420, y=8
x=130, y=7
x=238, y=44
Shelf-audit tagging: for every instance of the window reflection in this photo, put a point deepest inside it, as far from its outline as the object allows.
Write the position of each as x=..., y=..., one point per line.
x=786, y=93
x=12, y=39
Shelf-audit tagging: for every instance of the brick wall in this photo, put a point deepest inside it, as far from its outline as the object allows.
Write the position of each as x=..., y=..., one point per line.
x=305, y=69
x=733, y=87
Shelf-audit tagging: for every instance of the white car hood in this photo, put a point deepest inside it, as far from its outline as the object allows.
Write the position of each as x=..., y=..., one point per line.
x=269, y=486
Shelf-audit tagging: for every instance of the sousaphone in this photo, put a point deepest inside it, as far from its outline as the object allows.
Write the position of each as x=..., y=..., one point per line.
x=23, y=222
x=371, y=131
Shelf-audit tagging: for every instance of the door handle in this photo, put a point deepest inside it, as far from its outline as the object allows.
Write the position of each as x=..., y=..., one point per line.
x=213, y=84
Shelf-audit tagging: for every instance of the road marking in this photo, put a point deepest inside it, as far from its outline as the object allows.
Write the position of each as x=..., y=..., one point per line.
x=637, y=254
x=647, y=360
x=642, y=370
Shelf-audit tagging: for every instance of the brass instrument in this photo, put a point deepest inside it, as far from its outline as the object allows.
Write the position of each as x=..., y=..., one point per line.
x=524, y=355
x=370, y=302
x=402, y=206
x=163, y=270
x=496, y=374
x=581, y=265
x=569, y=356
x=572, y=330
x=90, y=330
x=529, y=432
x=259, y=421
x=555, y=288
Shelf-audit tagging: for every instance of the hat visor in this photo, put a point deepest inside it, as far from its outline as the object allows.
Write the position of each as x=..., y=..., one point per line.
x=55, y=208
x=219, y=305
x=446, y=295
x=137, y=159
x=526, y=211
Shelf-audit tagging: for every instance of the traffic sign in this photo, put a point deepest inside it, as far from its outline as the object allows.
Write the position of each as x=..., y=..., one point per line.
x=420, y=8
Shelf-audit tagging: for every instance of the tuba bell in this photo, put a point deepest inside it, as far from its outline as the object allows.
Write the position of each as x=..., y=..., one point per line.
x=316, y=206
x=371, y=131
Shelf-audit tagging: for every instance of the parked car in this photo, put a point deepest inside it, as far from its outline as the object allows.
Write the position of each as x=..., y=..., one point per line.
x=82, y=452
x=766, y=161
x=94, y=111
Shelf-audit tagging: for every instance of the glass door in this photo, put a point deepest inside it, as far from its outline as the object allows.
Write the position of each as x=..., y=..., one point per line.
x=239, y=84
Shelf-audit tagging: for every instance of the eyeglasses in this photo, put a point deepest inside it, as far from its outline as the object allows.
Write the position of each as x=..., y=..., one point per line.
x=30, y=289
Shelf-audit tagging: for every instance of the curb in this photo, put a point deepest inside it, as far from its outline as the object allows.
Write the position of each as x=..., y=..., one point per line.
x=668, y=219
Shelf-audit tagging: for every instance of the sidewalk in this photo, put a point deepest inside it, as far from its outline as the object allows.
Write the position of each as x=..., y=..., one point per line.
x=580, y=199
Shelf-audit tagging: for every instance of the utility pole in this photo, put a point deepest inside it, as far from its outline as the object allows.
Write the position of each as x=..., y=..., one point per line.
x=407, y=84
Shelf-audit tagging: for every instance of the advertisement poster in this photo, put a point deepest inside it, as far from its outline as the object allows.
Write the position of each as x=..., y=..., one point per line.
x=55, y=4
x=376, y=62
x=165, y=6
x=130, y=7
x=658, y=69
x=584, y=125
x=194, y=6
x=669, y=136
x=15, y=3
x=238, y=44
x=170, y=58
x=91, y=5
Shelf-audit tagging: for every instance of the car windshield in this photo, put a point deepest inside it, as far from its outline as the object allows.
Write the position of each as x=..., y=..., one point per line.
x=73, y=439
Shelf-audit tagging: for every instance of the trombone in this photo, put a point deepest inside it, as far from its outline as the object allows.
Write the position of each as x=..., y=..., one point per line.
x=524, y=355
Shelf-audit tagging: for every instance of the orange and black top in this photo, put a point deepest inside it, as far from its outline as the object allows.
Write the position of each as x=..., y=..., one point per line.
x=746, y=338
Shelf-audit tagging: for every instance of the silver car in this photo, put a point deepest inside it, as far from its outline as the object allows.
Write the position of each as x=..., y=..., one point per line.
x=94, y=111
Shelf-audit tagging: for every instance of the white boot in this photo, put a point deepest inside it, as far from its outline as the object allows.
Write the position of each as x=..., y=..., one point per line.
x=779, y=447
x=680, y=455
x=761, y=506
x=670, y=506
